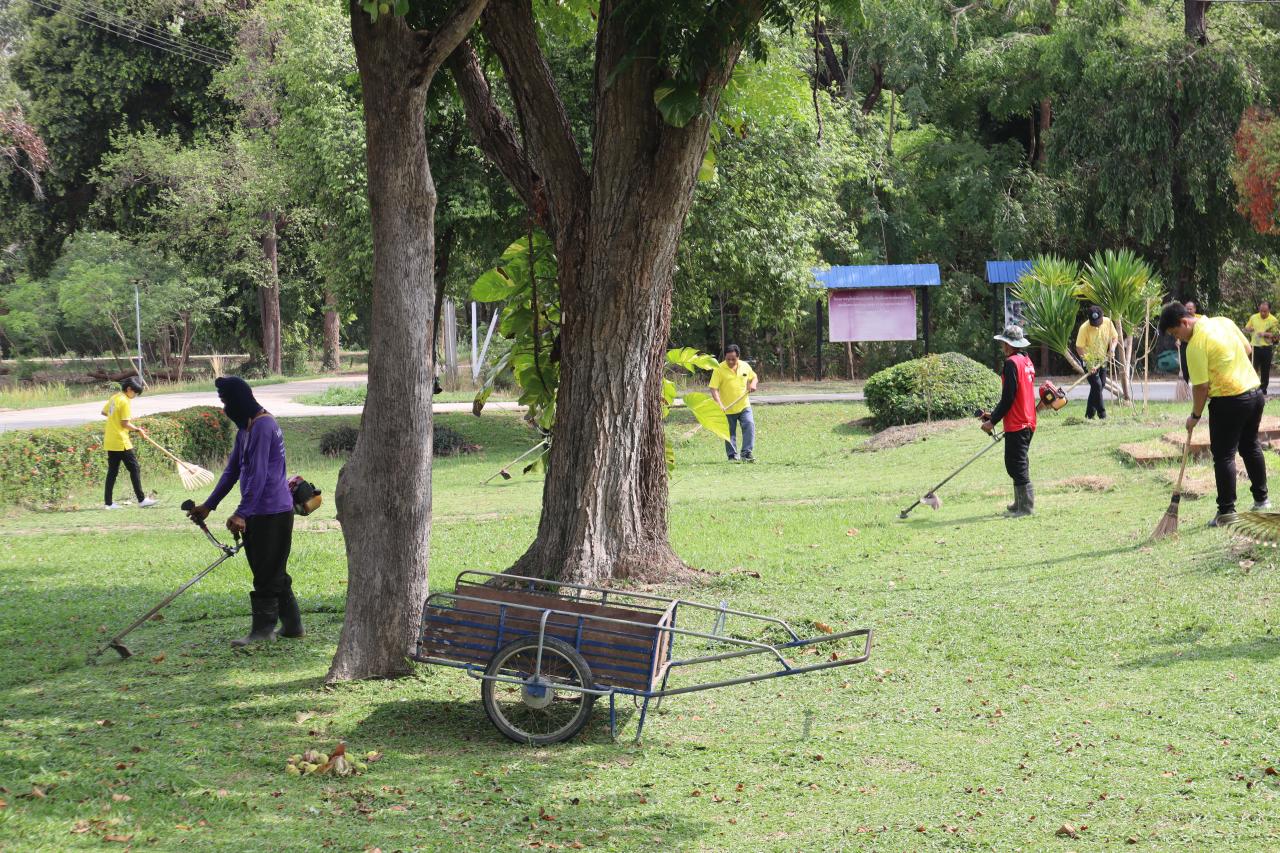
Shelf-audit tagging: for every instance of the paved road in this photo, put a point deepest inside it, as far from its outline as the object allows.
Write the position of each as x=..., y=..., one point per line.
x=279, y=400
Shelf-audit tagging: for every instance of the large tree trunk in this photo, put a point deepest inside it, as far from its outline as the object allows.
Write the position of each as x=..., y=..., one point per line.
x=604, y=502
x=1194, y=24
x=384, y=491
x=332, y=332
x=269, y=297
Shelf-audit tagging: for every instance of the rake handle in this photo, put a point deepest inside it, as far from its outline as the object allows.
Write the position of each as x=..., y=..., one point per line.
x=161, y=448
x=1186, y=451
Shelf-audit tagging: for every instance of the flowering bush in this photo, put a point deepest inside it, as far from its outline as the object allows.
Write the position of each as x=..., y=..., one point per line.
x=40, y=467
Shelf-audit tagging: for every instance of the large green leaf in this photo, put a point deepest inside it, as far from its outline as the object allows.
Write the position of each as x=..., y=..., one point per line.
x=678, y=102
x=494, y=286
x=708, y=413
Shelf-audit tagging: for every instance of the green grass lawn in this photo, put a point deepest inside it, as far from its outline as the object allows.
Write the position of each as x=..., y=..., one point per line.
x=1026, y=674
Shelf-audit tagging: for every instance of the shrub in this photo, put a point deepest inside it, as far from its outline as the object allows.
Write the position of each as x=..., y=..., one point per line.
x=339, y=441
x=931, y=388
x=444, y=441
x=40, y=467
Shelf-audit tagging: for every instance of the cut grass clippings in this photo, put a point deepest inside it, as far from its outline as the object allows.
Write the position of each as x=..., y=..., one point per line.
x=1028, y=675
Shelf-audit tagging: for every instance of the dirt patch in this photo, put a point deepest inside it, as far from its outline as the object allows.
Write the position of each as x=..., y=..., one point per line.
x=899, y=436
x=1087, y=483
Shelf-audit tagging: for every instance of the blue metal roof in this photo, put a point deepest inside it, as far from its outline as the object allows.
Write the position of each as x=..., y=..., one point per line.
x=884, y=275
x=1006, y=272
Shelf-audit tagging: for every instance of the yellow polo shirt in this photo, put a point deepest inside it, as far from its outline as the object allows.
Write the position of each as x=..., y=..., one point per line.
x=1258, y=325
x=1216, y=354
x=1094, y=342
x=732, y=385
x=117, y=411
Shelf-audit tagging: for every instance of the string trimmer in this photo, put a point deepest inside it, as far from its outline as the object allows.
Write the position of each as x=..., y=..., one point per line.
x=1052, y=397
x=227, y=553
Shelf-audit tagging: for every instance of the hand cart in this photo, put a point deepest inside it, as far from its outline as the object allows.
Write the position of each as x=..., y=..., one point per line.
x=545, y=651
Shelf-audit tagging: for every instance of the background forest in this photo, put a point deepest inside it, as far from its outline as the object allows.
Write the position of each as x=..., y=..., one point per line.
x=212, y=153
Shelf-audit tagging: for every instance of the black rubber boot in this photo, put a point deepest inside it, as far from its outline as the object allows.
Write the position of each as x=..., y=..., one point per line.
x=1024, y=500
x=290, y=616
x=266, y=612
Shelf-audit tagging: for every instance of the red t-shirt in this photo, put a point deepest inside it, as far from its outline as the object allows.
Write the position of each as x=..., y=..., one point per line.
x=1022, y=410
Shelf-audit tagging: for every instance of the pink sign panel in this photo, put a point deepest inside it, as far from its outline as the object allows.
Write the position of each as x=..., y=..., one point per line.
x=875, y=314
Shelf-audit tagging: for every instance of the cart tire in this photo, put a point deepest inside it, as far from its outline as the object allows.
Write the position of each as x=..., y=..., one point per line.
x=530, y=713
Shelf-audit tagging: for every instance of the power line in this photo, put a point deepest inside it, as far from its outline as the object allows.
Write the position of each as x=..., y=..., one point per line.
x=147, y=39
x=166, y=46
x=148, y=29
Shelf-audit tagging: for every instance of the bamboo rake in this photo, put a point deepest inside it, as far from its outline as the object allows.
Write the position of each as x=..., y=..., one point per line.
x=192, y=476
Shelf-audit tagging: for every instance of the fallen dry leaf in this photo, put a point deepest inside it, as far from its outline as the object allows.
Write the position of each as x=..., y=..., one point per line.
x=37, y=793
x=80, y=827
x=158, y=658
x=824, y=627
x=1068, y=831
x=119, y=839
x=121, y=798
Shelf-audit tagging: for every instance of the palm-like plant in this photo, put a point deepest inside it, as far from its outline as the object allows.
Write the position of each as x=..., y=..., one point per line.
x=1050, y=306
x=1128, y=291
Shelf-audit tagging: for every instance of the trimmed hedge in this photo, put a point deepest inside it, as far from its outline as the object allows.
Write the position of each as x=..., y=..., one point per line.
x=936, y=387
x=40, y=467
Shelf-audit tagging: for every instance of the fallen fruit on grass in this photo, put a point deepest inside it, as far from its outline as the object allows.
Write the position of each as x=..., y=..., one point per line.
x=292, y=770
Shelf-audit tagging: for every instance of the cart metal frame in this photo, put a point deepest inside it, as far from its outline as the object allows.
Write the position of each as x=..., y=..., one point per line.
x=557, y=609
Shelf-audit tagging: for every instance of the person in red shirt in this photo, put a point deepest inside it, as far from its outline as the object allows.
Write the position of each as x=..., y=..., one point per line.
x=1017, y=408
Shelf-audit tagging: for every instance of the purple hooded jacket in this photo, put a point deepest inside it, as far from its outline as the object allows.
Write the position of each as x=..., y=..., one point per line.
x=257, y=460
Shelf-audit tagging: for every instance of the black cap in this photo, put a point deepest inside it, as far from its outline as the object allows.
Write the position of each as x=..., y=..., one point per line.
x=1095, y=315
x=1171, y=315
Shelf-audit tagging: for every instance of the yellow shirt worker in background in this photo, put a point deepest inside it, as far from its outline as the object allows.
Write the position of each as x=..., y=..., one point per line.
x=731, y=382
x=1095, y=346
x=1263, y=327
x=1222, y=376
x=119, y=446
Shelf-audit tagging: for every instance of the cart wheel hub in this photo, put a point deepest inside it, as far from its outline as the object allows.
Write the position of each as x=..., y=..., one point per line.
x=536, y=692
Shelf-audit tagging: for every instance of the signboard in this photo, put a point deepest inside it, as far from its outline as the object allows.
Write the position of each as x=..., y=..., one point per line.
x=1013, y=308
x=875, y=314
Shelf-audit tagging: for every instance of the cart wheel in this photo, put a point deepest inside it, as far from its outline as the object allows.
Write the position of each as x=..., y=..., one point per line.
x=535, y=711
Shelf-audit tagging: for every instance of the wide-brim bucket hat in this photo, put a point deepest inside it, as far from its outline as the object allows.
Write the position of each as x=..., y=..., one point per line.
x=1012, y=335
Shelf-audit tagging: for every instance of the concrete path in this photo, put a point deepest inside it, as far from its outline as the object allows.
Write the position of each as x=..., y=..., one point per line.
x=279, y=400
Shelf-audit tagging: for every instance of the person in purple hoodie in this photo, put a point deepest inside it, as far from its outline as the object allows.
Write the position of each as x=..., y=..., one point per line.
x=265, y=514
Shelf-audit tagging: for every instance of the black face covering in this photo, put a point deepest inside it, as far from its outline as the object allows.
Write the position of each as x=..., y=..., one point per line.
x=237, y=400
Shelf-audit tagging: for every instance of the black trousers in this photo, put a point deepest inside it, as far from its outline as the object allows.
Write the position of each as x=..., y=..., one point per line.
x=1097, y=382
x=1016, y=445
x=1233, y=426
x=267, y=540
x=130, y=460
x=1262, y=364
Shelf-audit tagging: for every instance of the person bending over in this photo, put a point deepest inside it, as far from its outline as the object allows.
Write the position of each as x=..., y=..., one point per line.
x=1222, y=376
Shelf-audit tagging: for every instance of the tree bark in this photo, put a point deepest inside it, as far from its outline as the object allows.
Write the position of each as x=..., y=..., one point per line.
x=269, y=296
x=1195, y=24
x=1041, y=157
x=332, y=332
x=604, y=510
x=384, y=491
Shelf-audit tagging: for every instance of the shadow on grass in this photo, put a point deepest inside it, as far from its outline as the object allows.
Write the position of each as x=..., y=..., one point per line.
x=1257, y=650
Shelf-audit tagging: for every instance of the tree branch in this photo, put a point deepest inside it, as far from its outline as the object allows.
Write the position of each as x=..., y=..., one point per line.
x=438, y=45
x=511, y=30
x=494, y=132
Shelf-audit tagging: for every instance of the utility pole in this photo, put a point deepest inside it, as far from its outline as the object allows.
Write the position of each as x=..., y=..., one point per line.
x=137, y=317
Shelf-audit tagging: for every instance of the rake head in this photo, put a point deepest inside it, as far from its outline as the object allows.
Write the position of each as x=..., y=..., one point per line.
x=193, y=476
x=1260, y=527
